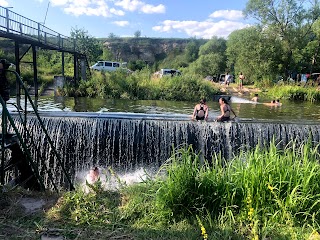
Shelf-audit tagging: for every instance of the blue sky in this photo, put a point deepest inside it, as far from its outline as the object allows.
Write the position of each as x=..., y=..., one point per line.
x=154, y=18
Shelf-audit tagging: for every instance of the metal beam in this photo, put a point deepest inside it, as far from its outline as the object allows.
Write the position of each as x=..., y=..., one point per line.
x=35, y=75
x=17, y=63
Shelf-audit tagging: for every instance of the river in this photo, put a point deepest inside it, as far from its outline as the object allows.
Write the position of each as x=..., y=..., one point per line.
x=291, y=112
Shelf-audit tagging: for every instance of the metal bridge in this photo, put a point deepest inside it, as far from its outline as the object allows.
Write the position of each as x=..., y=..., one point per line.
x=23, y=30
x=20, y=163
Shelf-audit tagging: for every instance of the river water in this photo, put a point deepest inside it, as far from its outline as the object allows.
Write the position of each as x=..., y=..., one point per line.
x=291, y=112
x=130, y=135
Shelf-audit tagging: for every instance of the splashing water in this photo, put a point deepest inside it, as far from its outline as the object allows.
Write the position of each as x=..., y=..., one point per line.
x=113, y=181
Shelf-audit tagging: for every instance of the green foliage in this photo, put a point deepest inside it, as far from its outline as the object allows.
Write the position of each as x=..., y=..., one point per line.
x=214, y=45
x=97, y=207
x=295, y=93
x=86, y=44
x=141, y=85
x=191, y=51
x=137, y=34
x=209, y=64
x=289, y=22
x=137, y=65
x=264, y=193
x=250, y=52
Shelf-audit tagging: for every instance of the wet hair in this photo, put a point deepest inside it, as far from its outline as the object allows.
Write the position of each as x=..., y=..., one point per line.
x=273, y=101
x=95, y=169
x=203, y=100
x=277, y=100
x=256, y=95
x=224, y=100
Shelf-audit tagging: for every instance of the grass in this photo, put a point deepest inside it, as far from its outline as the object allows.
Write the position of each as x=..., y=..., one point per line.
x=267, y=193
x=292, y=92
x=143, y=86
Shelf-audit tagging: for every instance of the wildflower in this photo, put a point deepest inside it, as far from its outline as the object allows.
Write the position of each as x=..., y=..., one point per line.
x=250, y=213
x=314, y=235
x=203, y=230
x=270, y=187
x=204, y=233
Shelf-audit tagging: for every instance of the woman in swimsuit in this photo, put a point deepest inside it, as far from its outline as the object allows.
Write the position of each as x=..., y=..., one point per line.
x=225, y=111
x=201, y=111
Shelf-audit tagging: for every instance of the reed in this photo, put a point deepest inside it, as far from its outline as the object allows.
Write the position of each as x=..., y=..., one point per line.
x=141, y=85
x=301, y=93
x=267, y=193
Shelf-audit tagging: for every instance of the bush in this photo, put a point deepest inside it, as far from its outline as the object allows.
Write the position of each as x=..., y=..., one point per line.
x=141, y=85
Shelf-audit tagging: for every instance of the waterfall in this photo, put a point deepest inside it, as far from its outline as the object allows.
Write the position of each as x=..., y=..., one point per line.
x=127, y=144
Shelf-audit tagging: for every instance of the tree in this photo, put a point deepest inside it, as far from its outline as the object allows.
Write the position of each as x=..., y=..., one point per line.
x=253, y=53
x=86, y=44
x=289, y=20
x=191, y=51
x=137, y=34
x=209, y=64
x=112, y=36
x=215, y=44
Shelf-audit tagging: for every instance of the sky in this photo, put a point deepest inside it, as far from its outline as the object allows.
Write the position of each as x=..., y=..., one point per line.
x=153, y=18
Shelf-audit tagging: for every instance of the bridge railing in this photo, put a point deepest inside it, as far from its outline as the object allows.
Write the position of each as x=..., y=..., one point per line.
x=13, y=23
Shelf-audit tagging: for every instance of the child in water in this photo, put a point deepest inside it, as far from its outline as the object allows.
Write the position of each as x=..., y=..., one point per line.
x=93, y=175
x=255, y=98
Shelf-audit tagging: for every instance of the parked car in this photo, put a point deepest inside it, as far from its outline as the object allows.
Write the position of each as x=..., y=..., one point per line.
x=211, y=78
x=169, y=72
x=108, y=66
x=222, y=78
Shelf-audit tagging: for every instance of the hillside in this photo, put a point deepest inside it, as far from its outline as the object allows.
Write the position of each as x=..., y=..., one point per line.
x=146, y=49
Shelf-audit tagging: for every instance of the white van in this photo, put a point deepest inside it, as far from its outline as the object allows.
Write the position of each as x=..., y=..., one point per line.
x=169, y=72
x=107, y=66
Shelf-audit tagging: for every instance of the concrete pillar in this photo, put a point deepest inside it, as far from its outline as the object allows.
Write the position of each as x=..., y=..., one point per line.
x=58, y=83
x=83, y=69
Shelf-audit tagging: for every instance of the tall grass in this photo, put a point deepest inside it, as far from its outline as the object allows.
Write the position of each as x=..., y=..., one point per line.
x=263, y=194
x=141, y=85
x=310, y=94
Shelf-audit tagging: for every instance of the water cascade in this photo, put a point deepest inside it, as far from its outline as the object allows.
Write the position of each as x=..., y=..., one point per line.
x=127, y=143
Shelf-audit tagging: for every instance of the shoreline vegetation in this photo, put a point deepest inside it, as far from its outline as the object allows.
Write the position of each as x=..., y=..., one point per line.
x=142, y=85
x=266, y=193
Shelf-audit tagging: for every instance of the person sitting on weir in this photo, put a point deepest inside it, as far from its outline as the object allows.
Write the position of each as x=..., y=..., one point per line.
x=201, y=111
x=225, y=111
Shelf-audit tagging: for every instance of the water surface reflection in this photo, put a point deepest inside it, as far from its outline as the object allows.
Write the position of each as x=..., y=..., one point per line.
x=298, y=112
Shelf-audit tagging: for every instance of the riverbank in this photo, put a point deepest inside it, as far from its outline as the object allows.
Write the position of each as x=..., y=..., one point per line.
x=272, y=195
x=233, y=89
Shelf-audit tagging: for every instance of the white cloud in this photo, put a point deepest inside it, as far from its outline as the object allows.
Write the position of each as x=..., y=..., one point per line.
x=105, y=8
x=87, y=7
x=4, y=3
x=136, y=5
x=205, y=29
x=117, y=12
x=60, y=2
x=149, y=9
x=227, y=14
x=121, y=23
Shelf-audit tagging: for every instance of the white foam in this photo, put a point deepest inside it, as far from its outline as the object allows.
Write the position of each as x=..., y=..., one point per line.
x=111, y=180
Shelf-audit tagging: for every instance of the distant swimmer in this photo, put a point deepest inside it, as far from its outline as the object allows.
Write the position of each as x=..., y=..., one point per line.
x=275, y=103
x=255, y=98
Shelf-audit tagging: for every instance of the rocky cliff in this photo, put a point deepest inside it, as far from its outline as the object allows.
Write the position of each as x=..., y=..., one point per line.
x=146, y=49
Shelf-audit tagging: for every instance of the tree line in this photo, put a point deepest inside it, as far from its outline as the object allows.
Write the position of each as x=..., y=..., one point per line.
x=283, y=41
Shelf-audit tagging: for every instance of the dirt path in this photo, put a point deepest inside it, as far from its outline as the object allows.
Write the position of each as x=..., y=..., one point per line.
x=233, y=89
